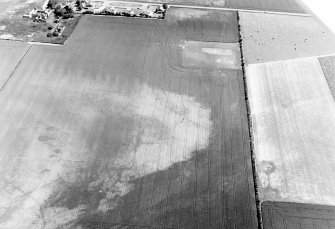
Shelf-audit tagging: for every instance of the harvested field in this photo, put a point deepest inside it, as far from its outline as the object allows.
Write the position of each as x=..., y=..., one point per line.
x=11, y=53
x=292, y=113
x=106, y=132
x=272, y=37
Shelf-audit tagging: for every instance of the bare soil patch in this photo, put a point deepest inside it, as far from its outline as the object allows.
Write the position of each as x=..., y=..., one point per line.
x=210, y=55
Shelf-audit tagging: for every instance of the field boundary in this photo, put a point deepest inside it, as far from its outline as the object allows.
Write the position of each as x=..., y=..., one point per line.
x=241, y=10
x=44, y=43
x=247, y=103
x=292, y=59
x=16, y=66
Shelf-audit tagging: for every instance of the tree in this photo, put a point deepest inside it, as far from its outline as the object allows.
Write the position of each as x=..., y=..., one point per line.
x=164, y=6
x=79, y=4
x=68, y=10
x=53, y=4
x=59, y=11
x=67, y=16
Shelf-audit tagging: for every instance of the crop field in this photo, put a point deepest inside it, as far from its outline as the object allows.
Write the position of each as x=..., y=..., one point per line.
x=293, y=130
x=273, y=37
x=108, y=131
x=291, y=104
x=10, y=55
x=289, y=66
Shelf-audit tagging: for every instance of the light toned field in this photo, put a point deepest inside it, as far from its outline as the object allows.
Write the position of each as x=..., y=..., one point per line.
x=272, y=37
x=10, y=55
x=106, y=131
x=293, y=127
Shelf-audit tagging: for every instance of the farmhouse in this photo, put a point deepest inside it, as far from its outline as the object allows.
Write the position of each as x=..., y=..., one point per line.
x=97, y=4
x=30, y=14
x=45, y=12
x=136, y=12
x=119, y=10
x=41, y=15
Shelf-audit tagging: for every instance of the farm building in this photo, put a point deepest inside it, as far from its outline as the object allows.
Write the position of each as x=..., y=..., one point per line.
x=38, y=14
x=136, y=11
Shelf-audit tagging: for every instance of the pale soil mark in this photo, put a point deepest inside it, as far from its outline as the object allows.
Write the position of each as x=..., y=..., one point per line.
x=292, y=114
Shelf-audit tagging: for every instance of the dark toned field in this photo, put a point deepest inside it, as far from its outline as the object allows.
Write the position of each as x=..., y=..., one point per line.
x=119, y=128
x=278, y=215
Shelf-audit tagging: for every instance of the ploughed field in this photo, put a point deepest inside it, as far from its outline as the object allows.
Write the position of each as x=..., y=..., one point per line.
x=133, y=123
